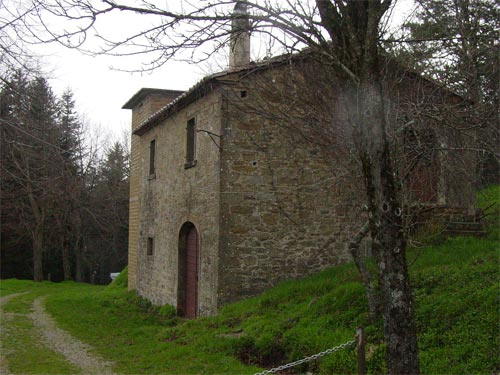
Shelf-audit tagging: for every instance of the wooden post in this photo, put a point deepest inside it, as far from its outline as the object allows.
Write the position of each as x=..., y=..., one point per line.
x=360, y=346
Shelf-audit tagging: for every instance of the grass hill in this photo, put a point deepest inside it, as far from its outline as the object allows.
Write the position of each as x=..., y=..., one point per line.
x=456, y=286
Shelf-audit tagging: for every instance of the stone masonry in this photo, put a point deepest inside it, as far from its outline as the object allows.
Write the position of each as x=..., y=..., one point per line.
x=269, y=198
x=143, y=104
x=173, y=196
x=264, y=204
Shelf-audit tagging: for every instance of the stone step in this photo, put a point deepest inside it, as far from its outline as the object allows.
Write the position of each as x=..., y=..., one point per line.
x=465, y=228
x=466, y=233
x=464, y=225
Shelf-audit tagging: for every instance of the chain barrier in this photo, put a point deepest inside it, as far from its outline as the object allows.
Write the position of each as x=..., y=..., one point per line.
x=307, y=359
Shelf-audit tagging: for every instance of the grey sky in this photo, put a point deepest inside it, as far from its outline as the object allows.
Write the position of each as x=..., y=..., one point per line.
x=100, y=91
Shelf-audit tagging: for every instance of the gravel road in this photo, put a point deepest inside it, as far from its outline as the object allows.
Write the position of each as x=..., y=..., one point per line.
x=60, y=341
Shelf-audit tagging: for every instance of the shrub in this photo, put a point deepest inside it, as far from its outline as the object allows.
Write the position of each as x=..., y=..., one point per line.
x=167, y=311
x=121, y=280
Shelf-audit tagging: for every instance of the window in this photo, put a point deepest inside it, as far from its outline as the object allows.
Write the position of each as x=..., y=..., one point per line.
x=190, y=144
x=150, y=246
x=152, y=152
x=420, y=146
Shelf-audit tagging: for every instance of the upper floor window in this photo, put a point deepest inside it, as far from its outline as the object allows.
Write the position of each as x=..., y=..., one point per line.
x=152, y=153
x=190, y=144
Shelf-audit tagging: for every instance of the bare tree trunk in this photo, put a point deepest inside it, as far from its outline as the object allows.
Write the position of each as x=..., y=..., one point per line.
x=77, y=243
x=385, y=220
x=37, y=233
x=371, y=291
x=38, y=252
x=66, y=260
x=79, y=264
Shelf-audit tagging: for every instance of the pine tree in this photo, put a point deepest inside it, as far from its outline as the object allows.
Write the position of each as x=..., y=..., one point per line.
x=107, y=239
x=29, y=111
x=459, y=45
x=67, y=216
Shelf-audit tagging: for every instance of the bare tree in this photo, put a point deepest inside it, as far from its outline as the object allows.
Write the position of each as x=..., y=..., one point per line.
x=342, y=34
x=29, y=137
x=50, y=198
x=15, y=54
x=456, y=43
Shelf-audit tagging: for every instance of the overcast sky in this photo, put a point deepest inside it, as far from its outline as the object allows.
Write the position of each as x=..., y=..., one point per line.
x=100, y=91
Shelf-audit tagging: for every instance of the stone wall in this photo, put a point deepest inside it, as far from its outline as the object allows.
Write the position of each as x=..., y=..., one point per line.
x=423, y=106
x=286, y=209
x=143, y=104
x=177, y=195
x=292, y=194
x=278, y=196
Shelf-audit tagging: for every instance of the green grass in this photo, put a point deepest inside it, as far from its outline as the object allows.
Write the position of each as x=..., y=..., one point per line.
x=22, y=346
x=488, y=199
x=128, y=330
x=26, y=354
x=122, y=280
x=456, y=293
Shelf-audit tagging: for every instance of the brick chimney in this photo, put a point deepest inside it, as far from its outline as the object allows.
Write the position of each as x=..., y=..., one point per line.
x=239, y=53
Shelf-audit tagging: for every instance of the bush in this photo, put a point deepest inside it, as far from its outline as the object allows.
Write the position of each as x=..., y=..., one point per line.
x=121, y=280
x=167, y=311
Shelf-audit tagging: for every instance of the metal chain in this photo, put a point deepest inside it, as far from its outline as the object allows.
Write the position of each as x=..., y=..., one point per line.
x=307, y=359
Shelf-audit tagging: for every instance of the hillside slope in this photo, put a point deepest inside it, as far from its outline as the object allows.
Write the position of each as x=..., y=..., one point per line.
x=456, y=294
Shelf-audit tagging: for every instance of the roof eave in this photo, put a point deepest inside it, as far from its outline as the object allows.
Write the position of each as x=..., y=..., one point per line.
x=142, y=93
x=196, y=92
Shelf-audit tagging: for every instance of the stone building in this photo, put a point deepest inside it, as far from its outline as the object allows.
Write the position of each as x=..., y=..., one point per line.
x=234, y=188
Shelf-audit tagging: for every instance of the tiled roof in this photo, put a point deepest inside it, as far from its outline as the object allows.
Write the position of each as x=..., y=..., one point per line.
x=208, y=83
x=179, y=102
x=203, y=87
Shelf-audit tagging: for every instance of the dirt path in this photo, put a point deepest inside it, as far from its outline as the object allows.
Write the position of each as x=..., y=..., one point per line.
x=62, y=342
x=54, y=338
x=5, y=299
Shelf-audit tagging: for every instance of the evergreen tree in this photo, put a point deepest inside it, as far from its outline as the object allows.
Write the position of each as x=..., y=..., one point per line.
x=69, y=205
x=70, y=127
x=16, y=242
x=64, y=214
x=29, y=111
x=107, y=236
x=457, y=42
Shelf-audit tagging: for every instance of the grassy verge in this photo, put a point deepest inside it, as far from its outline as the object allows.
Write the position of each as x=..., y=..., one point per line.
x=22, y=348
x=26, y=354
x=488, y=199
x=456, y=293
x=129, y=331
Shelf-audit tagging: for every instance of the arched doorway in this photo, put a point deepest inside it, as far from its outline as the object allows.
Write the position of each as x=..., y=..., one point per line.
x=187, y=292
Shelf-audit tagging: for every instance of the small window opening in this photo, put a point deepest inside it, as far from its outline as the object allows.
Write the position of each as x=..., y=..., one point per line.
x=420, y=145
x=150, y=246
x=152, y=152
x=190, y=143
x=243, y=93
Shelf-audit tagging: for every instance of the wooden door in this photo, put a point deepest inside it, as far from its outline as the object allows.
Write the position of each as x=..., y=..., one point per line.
x=191, y=273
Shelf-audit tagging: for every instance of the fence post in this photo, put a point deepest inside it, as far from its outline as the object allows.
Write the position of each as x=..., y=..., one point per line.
x=360, y=347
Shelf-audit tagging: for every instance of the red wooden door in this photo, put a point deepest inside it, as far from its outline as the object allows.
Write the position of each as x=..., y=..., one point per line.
x=423, y=185
x=191, y=275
